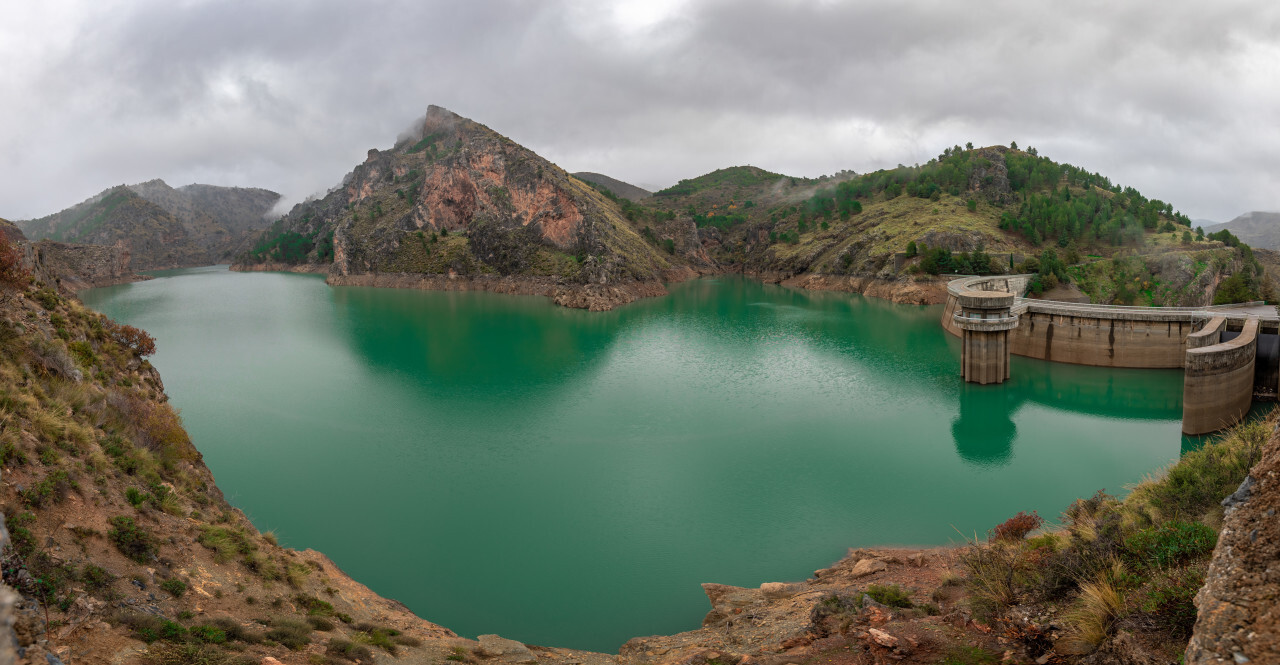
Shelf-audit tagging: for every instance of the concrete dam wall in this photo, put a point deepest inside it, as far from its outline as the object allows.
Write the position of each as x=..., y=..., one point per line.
x=1228, y=358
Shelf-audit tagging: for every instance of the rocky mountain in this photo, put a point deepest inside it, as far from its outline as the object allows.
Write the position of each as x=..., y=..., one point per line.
x=159, y=226
x=456, y=205
x=68, y=266
x=1260, y=229
x=617, y=187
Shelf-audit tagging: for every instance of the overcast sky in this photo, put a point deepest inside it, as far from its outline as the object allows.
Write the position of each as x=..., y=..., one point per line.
x=1179, y=99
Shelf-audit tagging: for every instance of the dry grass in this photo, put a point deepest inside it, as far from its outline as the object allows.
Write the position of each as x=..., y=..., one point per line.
x=1093, y=617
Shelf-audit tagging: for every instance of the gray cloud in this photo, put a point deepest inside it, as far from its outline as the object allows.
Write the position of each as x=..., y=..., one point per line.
x=1175, y=98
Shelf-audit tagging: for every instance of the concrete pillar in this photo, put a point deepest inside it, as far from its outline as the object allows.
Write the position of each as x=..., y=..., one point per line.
x=984, y=319
x=1217, y=384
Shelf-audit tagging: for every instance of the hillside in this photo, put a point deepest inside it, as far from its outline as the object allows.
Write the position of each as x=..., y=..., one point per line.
x=159, y=226
x=1259, y=229
x=456, y=205
x=993, y=209
x=616, y=187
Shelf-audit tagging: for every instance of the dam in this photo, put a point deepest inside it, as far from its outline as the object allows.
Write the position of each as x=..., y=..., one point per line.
x=1229, y=354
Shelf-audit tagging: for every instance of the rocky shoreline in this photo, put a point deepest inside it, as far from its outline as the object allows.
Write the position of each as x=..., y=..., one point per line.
x=605, y=297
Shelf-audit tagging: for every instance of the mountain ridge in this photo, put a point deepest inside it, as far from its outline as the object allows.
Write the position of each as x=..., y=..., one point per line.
x=161, y=227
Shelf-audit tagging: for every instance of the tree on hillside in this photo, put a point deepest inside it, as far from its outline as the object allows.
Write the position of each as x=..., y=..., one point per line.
x=1013, y=145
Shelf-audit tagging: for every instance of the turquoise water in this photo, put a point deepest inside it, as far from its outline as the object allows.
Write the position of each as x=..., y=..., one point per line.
x=569, y=478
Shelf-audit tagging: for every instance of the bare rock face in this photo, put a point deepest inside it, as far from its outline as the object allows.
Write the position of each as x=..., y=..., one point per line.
x=1239, y=605
x=456, y=199
x=990, y=175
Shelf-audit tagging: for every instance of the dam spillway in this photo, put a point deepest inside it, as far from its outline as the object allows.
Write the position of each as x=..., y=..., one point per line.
x=1229, y=354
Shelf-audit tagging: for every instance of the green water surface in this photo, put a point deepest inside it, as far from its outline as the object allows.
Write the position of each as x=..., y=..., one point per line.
x=568, y=478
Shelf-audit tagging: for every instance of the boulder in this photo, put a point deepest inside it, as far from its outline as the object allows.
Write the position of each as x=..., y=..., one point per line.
x=868, y=567
x=494, y=646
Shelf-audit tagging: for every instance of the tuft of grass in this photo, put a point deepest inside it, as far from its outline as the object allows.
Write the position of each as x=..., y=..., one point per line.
x=1093, y=618
x=226, y=542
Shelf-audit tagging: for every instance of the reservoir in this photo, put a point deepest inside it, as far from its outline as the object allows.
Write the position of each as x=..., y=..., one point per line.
x=569, y=478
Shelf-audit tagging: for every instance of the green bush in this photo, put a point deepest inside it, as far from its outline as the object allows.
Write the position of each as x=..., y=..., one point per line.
x=348, y=650
x=1169, y=544
x=320, y=623
x=132, y=540
x=49, y=488
x=134, y=496
x=47, y=297
x=314, y=606
x=96, y=578
x=174, y=586
x=208, y=634
x=891, y=595
x=291, y=633
x=1171, y=599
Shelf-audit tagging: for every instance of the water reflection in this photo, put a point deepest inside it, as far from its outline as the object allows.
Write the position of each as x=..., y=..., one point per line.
x=984, y=431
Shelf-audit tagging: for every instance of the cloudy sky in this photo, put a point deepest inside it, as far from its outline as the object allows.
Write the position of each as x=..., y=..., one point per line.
x=1179, y=99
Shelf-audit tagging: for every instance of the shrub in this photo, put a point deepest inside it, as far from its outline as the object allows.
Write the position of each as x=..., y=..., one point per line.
x=1017, y=527
x=833, y=611
x=1169, y=544
x=134, y=496
x=83, y=353
x=135, y=340
x=208, y=634
x=891, y=595
x=96, y=578
x=290, y=632
x=49, y=488
x=320, y=623
x=234, y=631
x=348, y=650
x=132, y=541
x=314, y=606
x=1197, y=483
x=1171, y=599
x=174, y=586
x=994, y=574
x=47, y=297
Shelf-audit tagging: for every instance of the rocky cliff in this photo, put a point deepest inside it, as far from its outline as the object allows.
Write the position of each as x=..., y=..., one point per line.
x=161, y=227
x=453, y=200
x=68, y=266
x=1239, y=605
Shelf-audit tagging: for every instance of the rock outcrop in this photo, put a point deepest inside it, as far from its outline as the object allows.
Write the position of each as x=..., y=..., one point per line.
x=69, y=266
x=455, y=200
x=1239, y=605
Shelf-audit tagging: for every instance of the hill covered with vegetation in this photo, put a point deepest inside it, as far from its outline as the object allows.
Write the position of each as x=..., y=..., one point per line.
x=161, y=227
x=968, y=210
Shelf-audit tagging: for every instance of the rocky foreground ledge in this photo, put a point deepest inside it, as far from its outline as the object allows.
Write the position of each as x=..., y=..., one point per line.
x=1239, y=605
